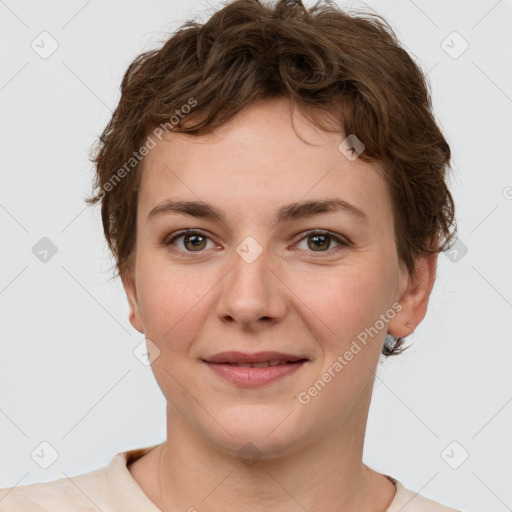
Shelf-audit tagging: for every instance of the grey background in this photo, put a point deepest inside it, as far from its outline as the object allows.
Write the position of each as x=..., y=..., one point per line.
x=68, y=375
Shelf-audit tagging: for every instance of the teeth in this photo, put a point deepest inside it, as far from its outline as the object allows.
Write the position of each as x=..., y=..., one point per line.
x=260, y=365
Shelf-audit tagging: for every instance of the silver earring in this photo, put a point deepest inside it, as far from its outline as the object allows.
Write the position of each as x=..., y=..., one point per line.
x=390, y=341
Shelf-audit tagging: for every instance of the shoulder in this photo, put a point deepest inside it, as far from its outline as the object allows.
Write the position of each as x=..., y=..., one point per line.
x=86, y=492
x=109, y=489
x=409, y=501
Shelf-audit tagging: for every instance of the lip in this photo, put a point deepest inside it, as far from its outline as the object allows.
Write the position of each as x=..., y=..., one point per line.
x=250, y=358
x=248, y=377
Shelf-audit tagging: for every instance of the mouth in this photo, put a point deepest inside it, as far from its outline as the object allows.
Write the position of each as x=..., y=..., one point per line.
x=264, y=364
x=255, y=359
x=256, y=369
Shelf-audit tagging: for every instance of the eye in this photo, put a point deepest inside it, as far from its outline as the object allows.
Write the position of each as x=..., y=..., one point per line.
x=320, y=240
x=193, y=240
x=196, y=240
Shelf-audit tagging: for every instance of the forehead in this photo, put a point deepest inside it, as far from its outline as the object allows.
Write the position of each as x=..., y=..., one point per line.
x=257, y=159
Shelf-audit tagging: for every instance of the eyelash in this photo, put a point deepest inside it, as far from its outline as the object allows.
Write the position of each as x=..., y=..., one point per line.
x=315, y=232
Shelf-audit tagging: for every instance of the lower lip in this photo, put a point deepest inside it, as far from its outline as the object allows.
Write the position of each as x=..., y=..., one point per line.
x=247, y=376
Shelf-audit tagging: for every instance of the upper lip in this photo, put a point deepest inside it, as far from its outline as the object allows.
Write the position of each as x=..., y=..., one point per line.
x=255, y=357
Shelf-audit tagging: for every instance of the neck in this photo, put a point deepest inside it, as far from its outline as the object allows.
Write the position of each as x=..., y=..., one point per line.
x=189, y=473
x=326, y=472
x=298, y=481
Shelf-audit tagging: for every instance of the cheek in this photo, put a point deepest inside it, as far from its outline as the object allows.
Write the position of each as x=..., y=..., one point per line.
x=353, y=298
x=348, y=300
x=174, y=308
x=173, y=303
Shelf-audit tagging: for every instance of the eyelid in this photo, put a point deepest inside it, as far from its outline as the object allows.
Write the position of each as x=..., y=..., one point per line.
x=339, y=239
x=182, y=232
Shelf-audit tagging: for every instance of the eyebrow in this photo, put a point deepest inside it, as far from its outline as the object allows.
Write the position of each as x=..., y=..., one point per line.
x=286, y=213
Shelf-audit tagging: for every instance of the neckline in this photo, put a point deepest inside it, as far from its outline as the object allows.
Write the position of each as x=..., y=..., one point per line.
x=129, y=496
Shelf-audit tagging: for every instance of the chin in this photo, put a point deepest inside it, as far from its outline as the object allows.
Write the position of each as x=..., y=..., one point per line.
x=258, y=435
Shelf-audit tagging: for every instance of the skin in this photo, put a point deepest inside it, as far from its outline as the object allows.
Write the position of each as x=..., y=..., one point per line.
x=291, y=298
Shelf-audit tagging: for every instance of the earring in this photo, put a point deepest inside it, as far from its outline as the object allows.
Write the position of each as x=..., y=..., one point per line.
x=390, y=341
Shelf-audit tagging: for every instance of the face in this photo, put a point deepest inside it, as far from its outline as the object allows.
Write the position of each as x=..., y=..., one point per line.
x=261, y=278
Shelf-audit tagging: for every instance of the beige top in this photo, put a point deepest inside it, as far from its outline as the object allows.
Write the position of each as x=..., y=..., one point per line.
x=113, y=489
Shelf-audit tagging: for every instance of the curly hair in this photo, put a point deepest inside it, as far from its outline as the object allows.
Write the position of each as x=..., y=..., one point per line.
x=333, y=65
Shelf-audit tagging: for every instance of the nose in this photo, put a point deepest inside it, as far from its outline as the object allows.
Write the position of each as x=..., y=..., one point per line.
x=252, y=292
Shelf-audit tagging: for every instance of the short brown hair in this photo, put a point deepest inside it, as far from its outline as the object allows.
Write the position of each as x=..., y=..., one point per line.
x=335, y=66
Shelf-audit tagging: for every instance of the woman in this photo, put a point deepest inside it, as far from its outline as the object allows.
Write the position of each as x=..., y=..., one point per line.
x=273, y=191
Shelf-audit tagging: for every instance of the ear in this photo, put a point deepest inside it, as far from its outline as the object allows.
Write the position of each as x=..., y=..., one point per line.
x=413, y=296
x=130, y=288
